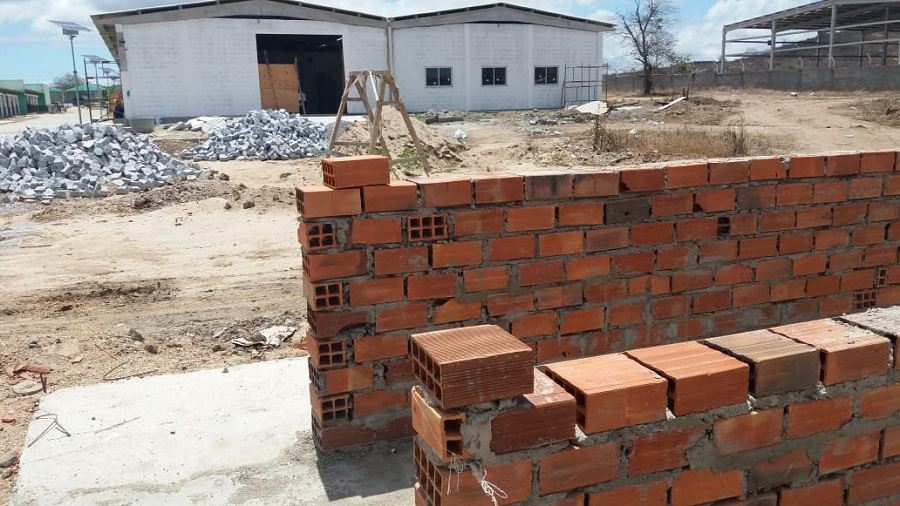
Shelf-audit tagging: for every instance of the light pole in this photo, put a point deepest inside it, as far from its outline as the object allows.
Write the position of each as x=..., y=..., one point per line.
x=71, y=30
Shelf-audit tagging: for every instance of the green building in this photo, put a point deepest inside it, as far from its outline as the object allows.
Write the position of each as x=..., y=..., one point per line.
x=17, y=98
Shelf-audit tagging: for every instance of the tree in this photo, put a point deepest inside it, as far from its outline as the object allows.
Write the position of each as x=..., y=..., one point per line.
x=66, y=81
x=645, y=34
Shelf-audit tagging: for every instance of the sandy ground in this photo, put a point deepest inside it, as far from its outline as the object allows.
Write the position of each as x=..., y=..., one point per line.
x=193, y=266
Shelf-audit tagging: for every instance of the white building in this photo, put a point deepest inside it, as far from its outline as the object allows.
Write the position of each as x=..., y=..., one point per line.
x=204, y=58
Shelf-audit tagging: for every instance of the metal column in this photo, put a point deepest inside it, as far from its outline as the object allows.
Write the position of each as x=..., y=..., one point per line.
x=831, y=34
x=772, y=46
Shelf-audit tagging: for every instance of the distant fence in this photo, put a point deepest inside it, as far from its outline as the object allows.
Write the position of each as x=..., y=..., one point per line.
x=809, y=79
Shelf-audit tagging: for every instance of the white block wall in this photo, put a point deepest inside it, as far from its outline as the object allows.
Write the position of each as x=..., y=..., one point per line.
x=209, y=66
x=469, y=47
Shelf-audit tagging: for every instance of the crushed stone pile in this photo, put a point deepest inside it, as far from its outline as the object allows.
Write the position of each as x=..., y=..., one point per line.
x=263, y=135
x=84, y=161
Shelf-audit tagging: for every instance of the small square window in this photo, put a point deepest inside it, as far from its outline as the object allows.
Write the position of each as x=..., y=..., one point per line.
x=546, y=75
x=493, y=76
x=438, y=76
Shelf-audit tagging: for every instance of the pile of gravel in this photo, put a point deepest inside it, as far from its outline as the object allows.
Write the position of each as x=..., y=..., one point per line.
x=263, y=135
x=84, y=161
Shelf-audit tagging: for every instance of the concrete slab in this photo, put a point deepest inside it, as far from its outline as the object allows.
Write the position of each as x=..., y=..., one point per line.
x=883, y=321
x=201, y=438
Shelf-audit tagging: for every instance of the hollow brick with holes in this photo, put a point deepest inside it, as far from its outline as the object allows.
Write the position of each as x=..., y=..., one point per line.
x=356, y=171
x=330, y=410
x=440, y=429
x=426, y=228
x=326, y=354
x=547, y=415
x=317, y=236
x=323, y=202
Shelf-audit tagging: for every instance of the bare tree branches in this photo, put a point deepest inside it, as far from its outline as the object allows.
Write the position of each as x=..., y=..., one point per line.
x=643, y=27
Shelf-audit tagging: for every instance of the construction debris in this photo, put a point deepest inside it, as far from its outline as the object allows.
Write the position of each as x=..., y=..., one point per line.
x=84, y=161
x=263, y=135
x=670, y=104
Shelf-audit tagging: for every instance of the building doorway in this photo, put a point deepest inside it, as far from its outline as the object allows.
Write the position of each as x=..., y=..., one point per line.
x=311, y=63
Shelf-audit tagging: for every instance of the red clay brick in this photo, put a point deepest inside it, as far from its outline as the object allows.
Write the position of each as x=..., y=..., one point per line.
x=814, y=217
x=806, y=166
x=773, y=221
x=581, y=320
x=407, y=316
x=440, y=429
x=851, y=214
x=728, y=172
x=794, y=194
x=356, y=171
x=823, y=285
x=710, y=302
x=596, y=184
x=788, y=244
x=649, y=234
x=866, y=188
x=561, y=243
x=523, y=219
x=767, y=168
x=830, y=239
x=642, y=180
x=576, y=467
x=813, y=264
x=674, y=258
x=368, y=403
x=846, y=260
x=858, y=280
x=848, y=452
x=511, y=248
x=631, y=263
x=874, y=483
x=742, y=224
x=500, y=304
x=323, y=202
x=376, y=291
x=396, y=196
x=697, y=229
x=773, y=269
x=748, y=432
x=607, y=239
x=606, y=292
x=368, y=349
x=749, y=249
x=669, y=307
x=719, y=251
x=699, y=487
x=828, y=493
x=663, y=450
x=543, y=324
x=343, y=436
x=587, y=267
x=807, y=418
x=684, y=281
x=338, y=381
x=700, y=378
x=848, y=353
x=716, y=200
x=834, y=191
x=877, y=161
x=735, y=274
x=401, y=260
x=788, y=290
x=375, y=231
x=562, y=347
x=553, y=297
x=479, y=222
x=490, y=278
x=449, y=192
x=434, y=286
x=496, y=189
x=652, y=494
x=546, y=415
x=880, y=402
x=345, y=264
x=881, y=255
x=448, y=488
x=684, y=176
x=883, y=211
x=892, y=185
x=580, y=214
x=873, y=234
x=548, y=186
x=891, y=443
x=672, y=204
x=750, y=295
x=455, y=311
x=540, y=273
x=842, y=165
x=625, y=314
x=456, y=254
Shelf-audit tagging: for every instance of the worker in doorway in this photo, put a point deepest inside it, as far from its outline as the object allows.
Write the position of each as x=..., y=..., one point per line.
x=119, y=110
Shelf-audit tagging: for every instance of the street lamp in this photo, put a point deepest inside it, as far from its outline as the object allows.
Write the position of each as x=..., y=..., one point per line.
x=71, y=30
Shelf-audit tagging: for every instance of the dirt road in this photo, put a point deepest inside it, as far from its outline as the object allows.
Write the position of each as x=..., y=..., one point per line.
x=193, y=266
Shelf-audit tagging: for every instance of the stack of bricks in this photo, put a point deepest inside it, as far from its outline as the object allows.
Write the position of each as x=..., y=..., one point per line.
x=793, y=415
x=581, y=263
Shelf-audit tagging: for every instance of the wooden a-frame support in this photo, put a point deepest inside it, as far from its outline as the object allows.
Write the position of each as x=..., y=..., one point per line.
x=386, y=93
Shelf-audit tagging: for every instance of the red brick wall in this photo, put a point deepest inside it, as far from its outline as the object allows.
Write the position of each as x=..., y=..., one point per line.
x=583, y=263
x=800, y=414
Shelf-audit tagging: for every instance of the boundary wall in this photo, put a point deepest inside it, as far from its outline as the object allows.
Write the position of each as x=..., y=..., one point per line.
x=579, y=264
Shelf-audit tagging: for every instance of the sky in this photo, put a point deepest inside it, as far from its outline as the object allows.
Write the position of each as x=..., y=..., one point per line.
x=34, y=50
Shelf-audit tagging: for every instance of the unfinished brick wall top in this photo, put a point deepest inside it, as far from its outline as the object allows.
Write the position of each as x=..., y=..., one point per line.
x=585, y=263
x=801, y=443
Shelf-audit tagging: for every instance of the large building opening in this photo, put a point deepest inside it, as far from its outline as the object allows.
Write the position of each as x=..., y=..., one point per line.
x=295, y=66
